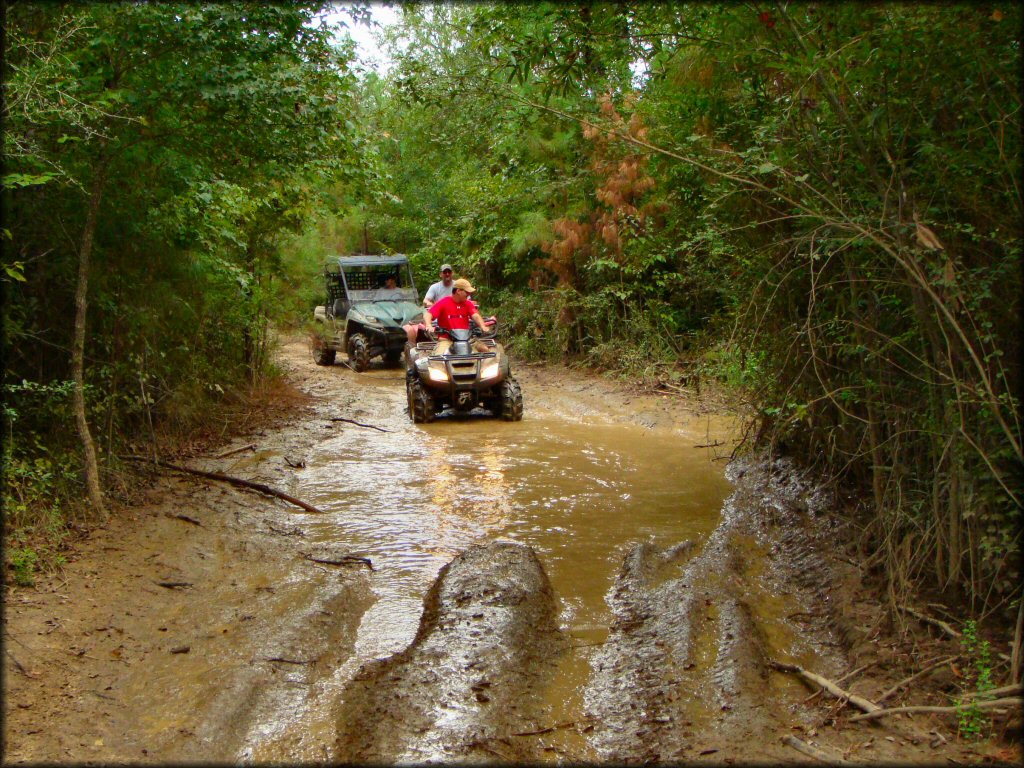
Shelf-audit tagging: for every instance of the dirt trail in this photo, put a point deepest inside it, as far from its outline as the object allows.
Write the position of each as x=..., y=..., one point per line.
x=198, y=627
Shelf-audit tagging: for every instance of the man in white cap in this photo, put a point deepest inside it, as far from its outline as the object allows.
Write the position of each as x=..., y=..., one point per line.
x=453, y=312
x=435, y=292
x=441, y=288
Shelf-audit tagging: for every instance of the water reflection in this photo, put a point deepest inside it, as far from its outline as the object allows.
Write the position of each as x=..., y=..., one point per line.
x=411, y=499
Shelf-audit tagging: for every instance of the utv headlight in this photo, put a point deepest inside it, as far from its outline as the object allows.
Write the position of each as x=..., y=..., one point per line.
x=490, y=370
x=437, y=373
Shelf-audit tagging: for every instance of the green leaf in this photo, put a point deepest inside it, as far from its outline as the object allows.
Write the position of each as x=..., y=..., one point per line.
x=12, y=180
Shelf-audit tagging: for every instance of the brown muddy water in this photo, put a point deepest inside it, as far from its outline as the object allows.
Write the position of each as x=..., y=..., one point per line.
x=573, y=486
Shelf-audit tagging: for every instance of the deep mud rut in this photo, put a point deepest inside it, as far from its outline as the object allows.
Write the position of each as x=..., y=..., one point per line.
x=214, y=624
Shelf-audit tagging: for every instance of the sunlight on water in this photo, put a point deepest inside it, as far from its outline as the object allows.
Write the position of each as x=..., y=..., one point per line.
x=413, y=498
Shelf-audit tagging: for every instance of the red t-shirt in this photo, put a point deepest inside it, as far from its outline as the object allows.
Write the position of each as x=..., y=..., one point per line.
x=450, y=315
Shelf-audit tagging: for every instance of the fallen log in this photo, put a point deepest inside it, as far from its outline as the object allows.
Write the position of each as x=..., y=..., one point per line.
x=266, y=489
x=858, y=701
x=811, y=751
x=993, y=704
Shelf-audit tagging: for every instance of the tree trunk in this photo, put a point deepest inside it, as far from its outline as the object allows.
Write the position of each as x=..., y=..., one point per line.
x=92, y=473
x=248, y=340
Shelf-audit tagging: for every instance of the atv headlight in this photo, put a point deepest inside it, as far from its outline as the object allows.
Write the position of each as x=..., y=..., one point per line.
x=438, y=373
x=490, y=370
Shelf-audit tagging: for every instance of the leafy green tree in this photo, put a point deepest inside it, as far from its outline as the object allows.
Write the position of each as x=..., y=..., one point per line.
x=135, y=115
x=821, y=197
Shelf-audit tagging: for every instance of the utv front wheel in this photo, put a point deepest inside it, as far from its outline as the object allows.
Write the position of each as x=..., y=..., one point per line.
x=322, y=354
x=421, y=402
x=359, y=352
x=511, y=400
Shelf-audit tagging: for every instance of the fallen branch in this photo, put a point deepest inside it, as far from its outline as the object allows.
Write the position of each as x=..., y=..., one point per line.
x=913, y=677
x=186, y=519
x=233, y=480
x=817, y=754
x=19, y=666
x=847, y=676
x=249, y=447
x=360, y=424
x=173, y=584
x=929, y=620
x=291, y=661
x=994, y=704
x=343, y=560
x=858, y=701
x=549, y=729
x=711, y=445
x=1014, y=689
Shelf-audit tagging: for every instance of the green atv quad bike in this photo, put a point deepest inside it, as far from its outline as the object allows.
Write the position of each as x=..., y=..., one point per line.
x=362, y=317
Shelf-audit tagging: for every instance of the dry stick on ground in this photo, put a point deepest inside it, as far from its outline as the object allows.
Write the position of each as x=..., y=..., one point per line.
x=186, y=519
x=249, y=447
x=807, y=749
x=1016, y=690
x=18, y=664
x=360, y=424
x=994, y=704
x=858, y=701
x=929, y=620
x=912, y=678
x=847, y=676
x=233, y=480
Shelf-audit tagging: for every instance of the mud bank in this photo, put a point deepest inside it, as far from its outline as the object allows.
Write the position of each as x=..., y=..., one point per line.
x=685, y=672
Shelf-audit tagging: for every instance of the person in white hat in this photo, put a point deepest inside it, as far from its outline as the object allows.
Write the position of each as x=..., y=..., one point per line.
x=435, y=292
x=441, y=288
x=453, y=312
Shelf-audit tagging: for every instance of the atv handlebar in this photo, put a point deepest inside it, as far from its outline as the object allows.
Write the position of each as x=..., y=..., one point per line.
x=435, y=330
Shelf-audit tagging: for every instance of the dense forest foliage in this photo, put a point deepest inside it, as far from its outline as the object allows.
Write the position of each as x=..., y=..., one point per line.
x=816, y=206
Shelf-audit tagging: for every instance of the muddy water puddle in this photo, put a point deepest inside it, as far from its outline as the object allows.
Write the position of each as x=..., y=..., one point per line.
x=414, y=496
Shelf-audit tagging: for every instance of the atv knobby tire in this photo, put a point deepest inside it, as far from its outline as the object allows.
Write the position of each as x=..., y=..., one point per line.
x=359, y=352
x=421, y=402
x=322, y=354
x=511, y=400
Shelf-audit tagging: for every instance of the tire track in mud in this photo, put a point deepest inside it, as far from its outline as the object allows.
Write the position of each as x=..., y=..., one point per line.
x=470, y=678
x=685, y=670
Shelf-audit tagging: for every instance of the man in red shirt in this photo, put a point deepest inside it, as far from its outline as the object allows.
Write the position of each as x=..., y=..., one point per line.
x=452, y=312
